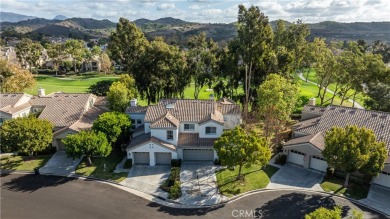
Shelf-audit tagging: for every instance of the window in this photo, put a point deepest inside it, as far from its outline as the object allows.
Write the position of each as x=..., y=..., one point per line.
x=170, y=135
x=139, y=121
x=2, y=120
x=133, y=121
x=211, y=130
x=189, y=127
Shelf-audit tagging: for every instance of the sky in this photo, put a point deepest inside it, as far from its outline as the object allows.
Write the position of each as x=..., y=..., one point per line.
x=205, y=11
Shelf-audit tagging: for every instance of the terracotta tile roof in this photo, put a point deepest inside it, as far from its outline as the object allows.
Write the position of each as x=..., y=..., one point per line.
x=216, y=116
x=141, y=139
x=62, y=109
x=11, y=103
x=316, y=140
x=102, y=103
x=340, y=116
x=87, y=119
x=306, y=123
x=168, y=121
x=136, y=109
x=192, y=140
x=186, y=110
x=314, y=109
x=226, y=101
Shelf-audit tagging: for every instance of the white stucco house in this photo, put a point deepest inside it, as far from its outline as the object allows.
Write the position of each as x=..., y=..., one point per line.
x=305, y=149
x=68, y=112
x=179, y=129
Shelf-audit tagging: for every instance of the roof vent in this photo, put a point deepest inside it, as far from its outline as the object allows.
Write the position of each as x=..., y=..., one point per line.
x=343, y=110
x=170, y=106
x=352, y=112
x=374, y=115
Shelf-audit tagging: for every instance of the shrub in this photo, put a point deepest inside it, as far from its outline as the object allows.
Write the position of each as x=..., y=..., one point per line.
x=281, y=160
x=175, y=191
x=128, y=164
x=217, y=162
x=176, y=163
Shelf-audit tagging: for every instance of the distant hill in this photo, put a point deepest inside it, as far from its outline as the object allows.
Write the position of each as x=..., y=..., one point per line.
x=60, y=17
x=13, y=17
x=176, y=31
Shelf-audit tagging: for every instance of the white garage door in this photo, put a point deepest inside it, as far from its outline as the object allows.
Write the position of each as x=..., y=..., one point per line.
x=198, y=155
x=383, y=179
x=296, y=157
x=141, y=158
x=163, y=158
x=318, y=163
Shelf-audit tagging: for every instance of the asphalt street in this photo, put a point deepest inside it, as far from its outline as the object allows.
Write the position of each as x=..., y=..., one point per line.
x=30, y=196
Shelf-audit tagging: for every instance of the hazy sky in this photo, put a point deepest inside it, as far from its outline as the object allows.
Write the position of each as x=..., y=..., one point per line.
x=221, y=11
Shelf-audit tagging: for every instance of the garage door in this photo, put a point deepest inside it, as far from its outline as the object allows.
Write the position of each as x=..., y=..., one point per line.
x=198, y=155
x=141, y=158
x=318, y=163
x=60, y=145
x=296, y=157
x=383, y=179
x=163, y=158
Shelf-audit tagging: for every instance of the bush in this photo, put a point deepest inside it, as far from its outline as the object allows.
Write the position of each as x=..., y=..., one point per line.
x=217, y=162
x=128, y=164
x=176, y=163
x=175, y=191
x=281, y=160
x=172, y=184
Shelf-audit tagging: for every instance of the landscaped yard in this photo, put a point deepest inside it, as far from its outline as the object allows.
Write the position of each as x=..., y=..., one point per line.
x=97, y=168
x=354, y=190
x=23, y=163
x=255, y=178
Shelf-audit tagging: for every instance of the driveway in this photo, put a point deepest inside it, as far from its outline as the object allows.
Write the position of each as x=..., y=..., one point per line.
x=199, y=184
x=291, y=176
x=148, y=179
x=378, y=198
x=60, y=164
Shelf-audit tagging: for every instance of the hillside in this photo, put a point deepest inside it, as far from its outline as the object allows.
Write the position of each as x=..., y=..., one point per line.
x=177, y=31
x=13, y=17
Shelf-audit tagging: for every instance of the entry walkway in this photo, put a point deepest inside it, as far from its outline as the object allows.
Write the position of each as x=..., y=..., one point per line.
x=60, y=164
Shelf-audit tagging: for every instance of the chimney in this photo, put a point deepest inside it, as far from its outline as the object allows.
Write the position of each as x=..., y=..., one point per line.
x=41, y=92
x=133, y=102
x=211, y=96
x=312, y=101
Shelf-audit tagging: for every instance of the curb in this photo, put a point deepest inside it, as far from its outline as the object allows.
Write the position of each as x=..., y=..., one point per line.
x=168, y=203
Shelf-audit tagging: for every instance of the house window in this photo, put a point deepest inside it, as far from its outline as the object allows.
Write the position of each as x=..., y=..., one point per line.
x=2, y=120
x=170, y=135
x=139, y=121
x=211, y=130
x=189, y=127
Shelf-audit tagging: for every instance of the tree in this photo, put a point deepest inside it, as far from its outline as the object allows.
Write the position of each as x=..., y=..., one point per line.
x=105, y=62
x=56, y=53
x=236, y=147
x=352, y=149
x=379, y=97
x=29, y=52
x=127, y=43
x=13, y=78
x=277, y=98
x=255, y=38
x=88, y=143
x=100, y=88
x=118, y=97
x=77, y=50
x=130, y=84
x=324, y=213
x=201, y=61
x=26, y=135
x=96, y=51
x=113, y=125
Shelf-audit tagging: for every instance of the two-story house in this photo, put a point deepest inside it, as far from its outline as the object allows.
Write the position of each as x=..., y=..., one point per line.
x=305, y=149
x=179, y=129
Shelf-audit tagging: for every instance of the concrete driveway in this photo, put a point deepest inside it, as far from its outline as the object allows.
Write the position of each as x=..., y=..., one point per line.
x=60, y=164
x=148, y=179
x=292, y=176
x=378, y=198
x=199, y=184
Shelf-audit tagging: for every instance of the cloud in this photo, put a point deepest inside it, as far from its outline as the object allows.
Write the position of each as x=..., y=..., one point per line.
x=166, y=6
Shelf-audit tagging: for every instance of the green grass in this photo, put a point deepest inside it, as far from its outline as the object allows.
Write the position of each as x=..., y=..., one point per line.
x=70, y=84
x=255, y=178
x=97, y=168
x=23, y=163
x=335, y=185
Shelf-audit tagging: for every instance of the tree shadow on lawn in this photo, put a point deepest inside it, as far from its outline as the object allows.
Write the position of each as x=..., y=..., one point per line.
x=9, y=164
x=31, y=183
x=297, y=205
x=184, y=211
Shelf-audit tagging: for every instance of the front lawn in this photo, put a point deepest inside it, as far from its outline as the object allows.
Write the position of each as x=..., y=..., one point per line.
x=23, y=163
x=97, y=168
x=255, y=178
x=335, y=185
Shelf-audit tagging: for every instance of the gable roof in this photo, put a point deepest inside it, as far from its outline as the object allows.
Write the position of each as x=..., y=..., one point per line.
x=186, y=110
x=136, y=109
x=314, y=109
x=317, y=140
x=168, y=121
x=341, y=116
x=11, y=103
x=86, y=121
x=144, y=138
